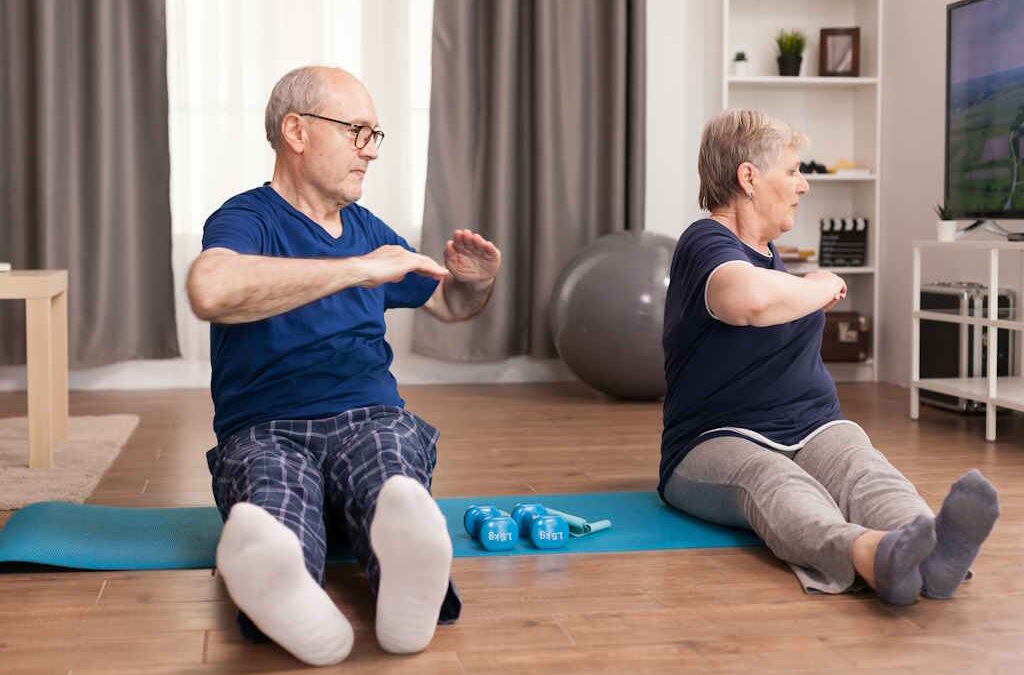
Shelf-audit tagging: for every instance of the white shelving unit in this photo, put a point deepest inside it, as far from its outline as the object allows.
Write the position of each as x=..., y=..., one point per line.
x=842, y=117
x=993, y=391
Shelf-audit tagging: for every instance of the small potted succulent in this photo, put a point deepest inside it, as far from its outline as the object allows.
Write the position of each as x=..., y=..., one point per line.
x=739, y=64
x=945, y=226
x=791, y=45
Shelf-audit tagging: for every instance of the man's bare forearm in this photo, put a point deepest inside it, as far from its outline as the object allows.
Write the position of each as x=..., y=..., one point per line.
x=235, y=288
x=466, y=299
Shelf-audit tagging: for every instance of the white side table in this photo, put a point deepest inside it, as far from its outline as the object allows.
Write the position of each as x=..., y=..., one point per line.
x=46, y=335
x=993, y=391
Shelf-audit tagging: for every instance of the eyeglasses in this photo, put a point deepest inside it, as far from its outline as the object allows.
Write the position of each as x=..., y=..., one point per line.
x=363, y=132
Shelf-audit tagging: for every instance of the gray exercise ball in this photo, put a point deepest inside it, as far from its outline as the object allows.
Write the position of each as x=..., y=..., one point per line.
x=607, y=313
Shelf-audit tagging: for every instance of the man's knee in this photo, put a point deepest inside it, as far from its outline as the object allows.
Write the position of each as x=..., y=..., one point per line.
x=387, y=452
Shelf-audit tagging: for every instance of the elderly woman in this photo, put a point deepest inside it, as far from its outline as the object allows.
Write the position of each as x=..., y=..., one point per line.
x=753, y=433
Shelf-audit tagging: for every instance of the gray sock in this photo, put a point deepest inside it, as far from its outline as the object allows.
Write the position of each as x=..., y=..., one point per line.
x=900, y=552
x=965, y=520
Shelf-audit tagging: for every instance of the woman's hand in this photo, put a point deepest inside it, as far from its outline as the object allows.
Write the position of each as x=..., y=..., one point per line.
x=833, y=282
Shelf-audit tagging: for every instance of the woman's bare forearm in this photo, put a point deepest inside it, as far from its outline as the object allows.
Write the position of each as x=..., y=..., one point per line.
x=788, y=298
x=743, y=295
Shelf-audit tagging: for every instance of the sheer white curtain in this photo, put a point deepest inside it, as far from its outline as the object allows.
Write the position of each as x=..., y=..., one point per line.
x=223, y=58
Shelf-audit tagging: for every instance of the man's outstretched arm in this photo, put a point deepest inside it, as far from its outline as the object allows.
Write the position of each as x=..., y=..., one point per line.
x=228, y=287
x=473, y=263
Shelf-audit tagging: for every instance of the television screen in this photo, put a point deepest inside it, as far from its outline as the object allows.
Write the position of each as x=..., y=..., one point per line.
x=985, y=108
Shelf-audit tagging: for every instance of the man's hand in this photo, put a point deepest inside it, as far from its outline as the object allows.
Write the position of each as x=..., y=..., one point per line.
x=391, y=263
x=473, y=262
x=471, y=258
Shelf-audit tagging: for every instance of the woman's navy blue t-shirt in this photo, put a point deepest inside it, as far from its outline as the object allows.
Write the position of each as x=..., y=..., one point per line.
x=317, y=360
x=769, y=380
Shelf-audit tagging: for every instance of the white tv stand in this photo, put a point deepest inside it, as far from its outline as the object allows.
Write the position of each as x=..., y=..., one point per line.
x=993, y=391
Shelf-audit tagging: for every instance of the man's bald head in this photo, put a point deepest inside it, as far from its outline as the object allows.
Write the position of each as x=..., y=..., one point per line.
x=306, y=89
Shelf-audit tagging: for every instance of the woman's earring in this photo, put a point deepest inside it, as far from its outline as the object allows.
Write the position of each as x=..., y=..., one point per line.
x=750, y=195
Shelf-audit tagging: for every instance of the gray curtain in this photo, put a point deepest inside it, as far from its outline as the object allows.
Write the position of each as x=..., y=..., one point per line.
x=537, y=142
x=85, y=171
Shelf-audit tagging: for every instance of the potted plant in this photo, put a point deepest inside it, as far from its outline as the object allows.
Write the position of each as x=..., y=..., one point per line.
x=739, y=64
x=945, y=226
x=791, y=45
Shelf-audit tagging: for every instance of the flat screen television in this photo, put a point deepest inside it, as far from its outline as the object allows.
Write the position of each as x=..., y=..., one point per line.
x=985, y=109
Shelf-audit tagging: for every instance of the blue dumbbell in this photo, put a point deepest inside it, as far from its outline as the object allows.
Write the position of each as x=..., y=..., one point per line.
x=523, y=514
x=498, y=533
x=475, y=516
x=549, y=531
x=492, y=527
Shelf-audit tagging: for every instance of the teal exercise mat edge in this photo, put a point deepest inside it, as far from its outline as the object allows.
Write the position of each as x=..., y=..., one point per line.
x=95, y=537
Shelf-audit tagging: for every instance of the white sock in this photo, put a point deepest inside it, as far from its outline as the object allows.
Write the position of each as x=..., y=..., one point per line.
x=411, y=540
x=262, y=565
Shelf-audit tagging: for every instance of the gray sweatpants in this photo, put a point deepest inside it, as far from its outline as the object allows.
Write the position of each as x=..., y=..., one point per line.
x=808, y=506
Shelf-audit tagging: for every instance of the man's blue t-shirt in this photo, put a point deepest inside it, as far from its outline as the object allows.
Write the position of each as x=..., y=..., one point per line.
x=317, y=360
x=769, y=380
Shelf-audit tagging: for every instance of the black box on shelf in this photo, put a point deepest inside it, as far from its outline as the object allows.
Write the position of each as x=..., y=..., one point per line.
x=843, y=243
x=953, y=349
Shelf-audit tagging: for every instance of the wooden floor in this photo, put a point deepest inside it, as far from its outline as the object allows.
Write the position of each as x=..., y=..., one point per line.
x=724, y=610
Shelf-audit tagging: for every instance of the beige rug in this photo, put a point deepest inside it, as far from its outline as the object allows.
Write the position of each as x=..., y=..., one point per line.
x=79, y=462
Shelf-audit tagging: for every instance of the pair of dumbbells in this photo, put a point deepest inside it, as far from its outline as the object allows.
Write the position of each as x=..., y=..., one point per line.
x=544, y=528
x=498, y=530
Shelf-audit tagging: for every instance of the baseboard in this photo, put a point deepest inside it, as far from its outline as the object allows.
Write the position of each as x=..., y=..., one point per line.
x=149, y=374
x=409, y=369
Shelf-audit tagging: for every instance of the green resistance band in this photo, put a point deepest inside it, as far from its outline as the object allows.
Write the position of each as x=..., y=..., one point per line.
x=579, y=527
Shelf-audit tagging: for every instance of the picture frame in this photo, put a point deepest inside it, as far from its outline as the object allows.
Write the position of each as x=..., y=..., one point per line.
x=839, y=52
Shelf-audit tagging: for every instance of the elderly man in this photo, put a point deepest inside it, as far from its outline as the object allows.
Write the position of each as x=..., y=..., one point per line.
x=312, y=435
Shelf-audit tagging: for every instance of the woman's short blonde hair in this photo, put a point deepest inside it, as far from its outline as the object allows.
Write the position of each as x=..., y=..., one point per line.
x=299, y=91
x=731, y=138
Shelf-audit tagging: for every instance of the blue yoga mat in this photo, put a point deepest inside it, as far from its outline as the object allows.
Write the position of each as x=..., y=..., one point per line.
x=84, y=536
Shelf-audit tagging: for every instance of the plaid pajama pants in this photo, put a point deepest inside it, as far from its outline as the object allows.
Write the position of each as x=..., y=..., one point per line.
x=321, y=478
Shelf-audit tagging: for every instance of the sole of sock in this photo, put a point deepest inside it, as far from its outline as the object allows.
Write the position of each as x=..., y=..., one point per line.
x=410, y=538
x=965, y=520
x=262, y=566
x=900, y=552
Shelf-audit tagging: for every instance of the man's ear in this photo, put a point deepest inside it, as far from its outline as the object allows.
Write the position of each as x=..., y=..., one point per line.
x=294, y=133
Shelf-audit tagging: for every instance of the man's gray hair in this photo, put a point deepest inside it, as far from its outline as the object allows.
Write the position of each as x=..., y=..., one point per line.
x=731, y=138
x=299, y=91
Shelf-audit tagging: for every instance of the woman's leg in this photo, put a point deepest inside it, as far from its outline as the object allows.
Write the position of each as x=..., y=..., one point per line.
x=868, y=489
x=734, y=481
x=872, y=492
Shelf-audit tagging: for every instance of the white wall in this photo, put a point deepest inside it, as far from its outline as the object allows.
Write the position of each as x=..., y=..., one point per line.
x=913, y=109
x=684, y=88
